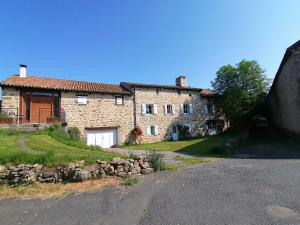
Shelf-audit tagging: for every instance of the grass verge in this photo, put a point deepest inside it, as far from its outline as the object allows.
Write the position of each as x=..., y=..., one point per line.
x=44, y=191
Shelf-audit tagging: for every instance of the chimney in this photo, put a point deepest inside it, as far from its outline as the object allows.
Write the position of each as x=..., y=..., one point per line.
x=181, y=81
x=23, y=70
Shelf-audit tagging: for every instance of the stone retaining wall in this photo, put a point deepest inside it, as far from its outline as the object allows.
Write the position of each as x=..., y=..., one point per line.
x=25, y=174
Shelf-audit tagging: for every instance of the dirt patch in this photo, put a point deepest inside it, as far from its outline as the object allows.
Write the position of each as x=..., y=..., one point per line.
x=44, y=191
x=22, y=143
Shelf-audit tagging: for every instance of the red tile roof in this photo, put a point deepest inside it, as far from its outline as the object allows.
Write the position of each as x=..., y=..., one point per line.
x=204, y=92
x=61, y=84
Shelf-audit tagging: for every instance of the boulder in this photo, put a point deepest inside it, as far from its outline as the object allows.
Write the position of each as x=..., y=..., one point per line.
x=147, y=171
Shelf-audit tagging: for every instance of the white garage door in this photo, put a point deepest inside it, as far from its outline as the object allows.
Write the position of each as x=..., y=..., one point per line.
x=102, y=138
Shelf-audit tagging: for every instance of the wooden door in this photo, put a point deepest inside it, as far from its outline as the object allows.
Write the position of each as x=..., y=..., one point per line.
x=41, y=108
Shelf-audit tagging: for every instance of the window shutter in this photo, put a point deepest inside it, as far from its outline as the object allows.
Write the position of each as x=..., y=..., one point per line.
x=173, y=109
x=154, y=109
x=155, y=129
x=165, y=108
x=143, y=109
x=191, y=108
x=181, y=108
x=214, y=109
x=148, y=130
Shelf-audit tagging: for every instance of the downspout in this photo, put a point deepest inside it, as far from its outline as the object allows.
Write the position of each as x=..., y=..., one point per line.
x=134, y=109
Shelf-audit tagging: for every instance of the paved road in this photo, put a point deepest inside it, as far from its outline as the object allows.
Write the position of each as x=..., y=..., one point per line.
x=260, y=186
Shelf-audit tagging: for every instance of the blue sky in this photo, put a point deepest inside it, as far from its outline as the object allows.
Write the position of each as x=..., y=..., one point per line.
x=149, y=41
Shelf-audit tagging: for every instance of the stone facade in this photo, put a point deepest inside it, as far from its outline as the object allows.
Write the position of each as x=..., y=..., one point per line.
x=10, y=100
x=100, y=111
x=284, y=97
x=165, y=122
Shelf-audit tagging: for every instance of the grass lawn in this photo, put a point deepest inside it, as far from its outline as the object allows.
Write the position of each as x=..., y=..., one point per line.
x=195, y=146
x=19, y=147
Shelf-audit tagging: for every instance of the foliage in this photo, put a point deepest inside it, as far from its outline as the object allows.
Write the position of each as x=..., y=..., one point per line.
x=135, y=135
x=240, y=89
x=67, y=138
x=156, y=161
x=184, y=132
x=4, y=115
x=74, y=133
x=130, y=181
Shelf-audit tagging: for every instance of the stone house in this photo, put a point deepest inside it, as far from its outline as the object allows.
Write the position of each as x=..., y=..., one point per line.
x=284, y=96
x=106, y=113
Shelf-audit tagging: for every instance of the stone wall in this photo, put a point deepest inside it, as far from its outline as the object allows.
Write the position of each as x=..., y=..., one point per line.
x=100, y=111
x=196, y=121
x=10, y=100
x=25, y=174
x=284, y=99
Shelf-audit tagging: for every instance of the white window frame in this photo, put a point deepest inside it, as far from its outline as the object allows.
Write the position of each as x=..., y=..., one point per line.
x=152, y=130
x=169, y=109
x=82, y=99
x=151, y=108
x=186, y=109
x=118, y=98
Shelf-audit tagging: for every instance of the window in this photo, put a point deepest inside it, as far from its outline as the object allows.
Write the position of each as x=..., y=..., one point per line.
x=82, y=100
x=152, y=130
x=119, y=100
x=209, y=108
x=169, y=109
x=149, y=109
x=212, y=124
x=186, y=109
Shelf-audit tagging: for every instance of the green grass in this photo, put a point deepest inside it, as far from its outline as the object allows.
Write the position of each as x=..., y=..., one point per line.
x=196, y=146
x=19, y=147
x=130, y=181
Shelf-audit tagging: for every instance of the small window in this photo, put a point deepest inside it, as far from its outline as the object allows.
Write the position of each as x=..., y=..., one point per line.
x=169, y=109
x=119, y=100
x=209, y=108
x=149, y=109
x=82, y=100
x=212, y=124
x=152, y=130
x=186, y=109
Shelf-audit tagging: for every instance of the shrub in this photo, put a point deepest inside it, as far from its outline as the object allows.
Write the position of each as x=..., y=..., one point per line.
x=74, y=133
x=156, y=161
x=136, y=135
x=68, y=138
x=184, y=132
x=130, y=181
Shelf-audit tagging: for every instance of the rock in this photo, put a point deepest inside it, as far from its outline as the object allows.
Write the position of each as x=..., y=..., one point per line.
x=145, y=165
x=115, y=160
x=147, y=171
x=81, y=175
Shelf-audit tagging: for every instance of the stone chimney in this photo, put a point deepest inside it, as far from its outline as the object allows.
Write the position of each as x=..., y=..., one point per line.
x=181, y=81
x=23, y=70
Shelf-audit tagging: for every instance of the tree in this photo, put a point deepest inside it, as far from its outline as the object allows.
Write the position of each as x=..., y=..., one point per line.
x=240, y=90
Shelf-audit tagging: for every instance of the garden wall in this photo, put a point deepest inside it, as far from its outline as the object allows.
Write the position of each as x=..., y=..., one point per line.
x=25, y=174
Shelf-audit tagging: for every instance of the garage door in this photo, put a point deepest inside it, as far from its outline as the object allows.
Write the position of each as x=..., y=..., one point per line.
x=102, y=138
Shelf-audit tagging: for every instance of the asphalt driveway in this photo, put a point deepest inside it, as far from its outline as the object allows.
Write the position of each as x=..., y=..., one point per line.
x=259, y=186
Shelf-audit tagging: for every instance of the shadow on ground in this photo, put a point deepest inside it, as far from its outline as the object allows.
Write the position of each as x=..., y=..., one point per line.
x=263, y=143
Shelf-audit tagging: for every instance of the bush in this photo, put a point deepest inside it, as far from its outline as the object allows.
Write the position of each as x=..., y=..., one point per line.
x=74, y=133
x=130, y=181
x=184, y=132
x=136, y=135
x=156, y=161
x=69, y=137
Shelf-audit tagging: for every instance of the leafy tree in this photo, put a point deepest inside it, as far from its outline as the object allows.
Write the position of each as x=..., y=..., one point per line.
x=240, y=90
